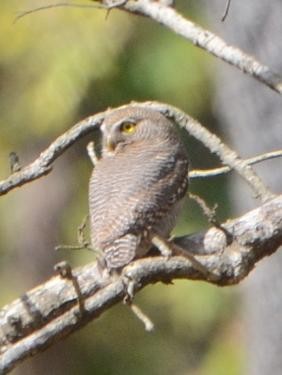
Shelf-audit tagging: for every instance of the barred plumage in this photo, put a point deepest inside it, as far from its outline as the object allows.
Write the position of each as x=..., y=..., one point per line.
x=137, y=186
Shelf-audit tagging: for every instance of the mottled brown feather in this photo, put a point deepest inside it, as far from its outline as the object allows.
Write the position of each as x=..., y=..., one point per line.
x=136, y=190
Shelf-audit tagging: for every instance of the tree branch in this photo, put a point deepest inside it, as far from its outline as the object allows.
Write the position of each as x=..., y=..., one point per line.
x=52, y=311
x=202, y=173
x=215, y=145
x=68, y=301
x=206, y=40
x=203, y=38
x=226, y=11
x=43, y=164
x=58, y=5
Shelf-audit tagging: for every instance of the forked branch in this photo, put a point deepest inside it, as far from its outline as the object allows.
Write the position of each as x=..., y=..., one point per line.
x=61, y=306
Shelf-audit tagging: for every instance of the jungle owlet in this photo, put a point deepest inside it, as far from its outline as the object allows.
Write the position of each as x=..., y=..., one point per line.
x=137, y=186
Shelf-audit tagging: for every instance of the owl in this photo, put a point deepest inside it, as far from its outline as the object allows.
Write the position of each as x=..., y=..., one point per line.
x=137, y=186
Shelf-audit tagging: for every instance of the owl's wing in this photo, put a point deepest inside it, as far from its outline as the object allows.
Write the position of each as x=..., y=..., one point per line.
x=132, y=192
x=121, y=251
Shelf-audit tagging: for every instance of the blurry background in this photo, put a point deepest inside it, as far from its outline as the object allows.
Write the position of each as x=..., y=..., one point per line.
x=61, y=65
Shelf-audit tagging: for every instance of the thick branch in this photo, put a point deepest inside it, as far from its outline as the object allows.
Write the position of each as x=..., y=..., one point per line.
x=51, y=311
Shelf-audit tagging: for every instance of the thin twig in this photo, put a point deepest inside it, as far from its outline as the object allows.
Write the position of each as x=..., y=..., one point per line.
x=82, y=242
x=57, y=5
x=210, y=213
x=167, y=248
x=203, y=173
x=65, y=271
x=148, y=324
x=15, y=165
x=225, y=14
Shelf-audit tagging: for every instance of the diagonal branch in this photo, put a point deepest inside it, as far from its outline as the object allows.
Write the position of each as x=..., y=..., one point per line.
x=215, y=145
x=52, y=311
x=43, y=164
x=203, y=38
x=206, y=40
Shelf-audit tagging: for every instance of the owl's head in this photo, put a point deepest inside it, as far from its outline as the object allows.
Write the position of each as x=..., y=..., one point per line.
x=133, y=124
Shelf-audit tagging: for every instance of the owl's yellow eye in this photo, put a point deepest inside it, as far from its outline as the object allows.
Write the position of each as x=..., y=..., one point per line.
x=128, y=127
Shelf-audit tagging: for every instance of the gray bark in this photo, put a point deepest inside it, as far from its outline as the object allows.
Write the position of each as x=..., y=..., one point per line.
x=252, y=116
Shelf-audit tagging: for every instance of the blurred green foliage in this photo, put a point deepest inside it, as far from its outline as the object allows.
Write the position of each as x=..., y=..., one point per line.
x=56, y=67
